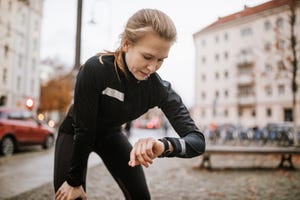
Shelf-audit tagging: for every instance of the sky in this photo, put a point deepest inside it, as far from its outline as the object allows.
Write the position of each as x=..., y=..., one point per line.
x=110, y=17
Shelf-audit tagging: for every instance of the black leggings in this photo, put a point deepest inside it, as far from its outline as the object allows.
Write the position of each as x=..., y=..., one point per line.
x=114, y=149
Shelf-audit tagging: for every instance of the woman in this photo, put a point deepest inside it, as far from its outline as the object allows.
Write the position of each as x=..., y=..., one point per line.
x=113, y=88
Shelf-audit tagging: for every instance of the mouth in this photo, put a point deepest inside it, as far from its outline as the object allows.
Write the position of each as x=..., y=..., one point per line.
x=144, y=74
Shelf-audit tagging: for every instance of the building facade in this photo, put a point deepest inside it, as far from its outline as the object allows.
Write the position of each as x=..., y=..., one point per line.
x=20, y=36
x=243, y=68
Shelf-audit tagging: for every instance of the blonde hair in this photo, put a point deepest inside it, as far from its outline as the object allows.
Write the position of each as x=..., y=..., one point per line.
x=139, y=24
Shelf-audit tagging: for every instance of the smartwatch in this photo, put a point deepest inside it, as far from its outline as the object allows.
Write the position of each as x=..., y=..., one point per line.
x=167, y=148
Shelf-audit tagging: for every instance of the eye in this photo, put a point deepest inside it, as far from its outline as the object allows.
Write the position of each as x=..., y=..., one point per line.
x=147, y=57
x=160, y=60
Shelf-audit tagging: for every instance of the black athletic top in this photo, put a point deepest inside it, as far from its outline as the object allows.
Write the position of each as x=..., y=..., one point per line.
x=105, y=99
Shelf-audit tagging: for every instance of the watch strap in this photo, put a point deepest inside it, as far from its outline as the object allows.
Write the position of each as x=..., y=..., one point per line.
x=166, y=147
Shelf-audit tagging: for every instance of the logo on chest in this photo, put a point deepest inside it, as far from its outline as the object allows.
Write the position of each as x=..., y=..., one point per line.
x=113, y=93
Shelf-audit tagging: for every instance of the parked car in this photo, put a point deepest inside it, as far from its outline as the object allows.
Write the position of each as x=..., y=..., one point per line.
x=21, y=128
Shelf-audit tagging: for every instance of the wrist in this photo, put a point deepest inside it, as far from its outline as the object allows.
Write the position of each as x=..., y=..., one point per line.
x=168, y=148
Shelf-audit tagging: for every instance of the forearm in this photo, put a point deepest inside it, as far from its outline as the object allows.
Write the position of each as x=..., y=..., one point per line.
x=188, y=146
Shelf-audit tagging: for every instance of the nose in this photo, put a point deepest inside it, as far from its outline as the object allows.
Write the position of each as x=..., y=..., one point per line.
x=151, y=68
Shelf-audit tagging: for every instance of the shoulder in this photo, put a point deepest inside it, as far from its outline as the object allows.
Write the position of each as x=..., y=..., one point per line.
x=97, y=67
x=159, y=82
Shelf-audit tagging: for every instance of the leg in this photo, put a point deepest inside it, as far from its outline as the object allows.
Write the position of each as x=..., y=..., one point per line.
x=206, y=161
x=286, y=158
x=63, y=154
x=115, y=153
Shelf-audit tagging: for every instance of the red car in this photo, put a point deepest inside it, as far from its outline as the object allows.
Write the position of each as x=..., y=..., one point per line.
x=20, y=128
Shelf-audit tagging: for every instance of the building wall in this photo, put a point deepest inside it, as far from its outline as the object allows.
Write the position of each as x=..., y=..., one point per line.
x=20, y=25
x=238, y=78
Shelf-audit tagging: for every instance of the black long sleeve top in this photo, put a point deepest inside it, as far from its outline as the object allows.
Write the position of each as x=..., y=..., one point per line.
x=105, y=98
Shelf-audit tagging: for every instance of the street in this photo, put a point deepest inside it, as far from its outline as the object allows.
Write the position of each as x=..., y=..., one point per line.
x=28, y=175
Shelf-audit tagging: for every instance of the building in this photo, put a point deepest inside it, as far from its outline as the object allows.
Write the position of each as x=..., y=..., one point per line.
x=243, y=68
x=20, y=36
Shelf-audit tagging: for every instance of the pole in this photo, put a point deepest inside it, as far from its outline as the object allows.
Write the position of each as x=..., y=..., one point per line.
x=78, y=35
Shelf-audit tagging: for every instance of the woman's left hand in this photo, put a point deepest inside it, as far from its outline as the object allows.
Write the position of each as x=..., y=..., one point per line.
x=145, y=151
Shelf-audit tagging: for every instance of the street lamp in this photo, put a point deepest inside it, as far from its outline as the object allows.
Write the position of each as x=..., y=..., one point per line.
x=78, y=35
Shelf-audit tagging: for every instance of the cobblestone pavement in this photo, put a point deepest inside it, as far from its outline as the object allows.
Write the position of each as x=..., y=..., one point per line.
x=233, y=177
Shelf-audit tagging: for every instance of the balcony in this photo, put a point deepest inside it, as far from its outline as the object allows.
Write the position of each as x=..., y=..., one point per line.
x=246, y=100
x=245, y=79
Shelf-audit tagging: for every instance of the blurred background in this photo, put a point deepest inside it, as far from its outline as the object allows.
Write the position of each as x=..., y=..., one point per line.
x=236, y=68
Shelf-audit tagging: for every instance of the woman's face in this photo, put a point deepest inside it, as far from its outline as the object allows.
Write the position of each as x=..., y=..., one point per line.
x=147, y=55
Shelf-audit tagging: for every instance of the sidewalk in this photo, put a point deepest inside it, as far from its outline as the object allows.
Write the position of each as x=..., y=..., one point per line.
x=234, y=177
x=177, y=179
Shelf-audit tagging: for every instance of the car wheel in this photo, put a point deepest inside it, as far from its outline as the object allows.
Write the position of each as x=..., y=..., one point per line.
x=49, y=142
x=8, y=146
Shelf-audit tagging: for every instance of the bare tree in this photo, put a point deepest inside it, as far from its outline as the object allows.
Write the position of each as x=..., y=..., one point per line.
x=294, y=62
x=288, y=65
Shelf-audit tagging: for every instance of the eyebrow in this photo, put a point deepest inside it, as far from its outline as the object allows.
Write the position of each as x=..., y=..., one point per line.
x=149, y=54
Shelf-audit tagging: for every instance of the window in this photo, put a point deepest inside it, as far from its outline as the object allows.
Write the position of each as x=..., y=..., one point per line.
x=217, y=57
x=203, y=42
x=32, y=82
x=203, y=77
x=268, y=25
x=268, y=68
x=217, y=94
x=226, y=93
x=203, y=95
x=226, y=74
x=225, y=36
x=226, y=55
x=6, y=50
x=240, y=112
x=281, y=89
x=269, y=112
x=267, y=46
x=268, y=90
x=20, y=61
x=225, y=113
x=4, y=75
x=203, y=113
x=203, y=60
x=280, y=44
x=253, y=113
x=217, y=75
x=280, y=65
x=280, y=22
x=18, y=83
x=246, y=32
x=217, y=39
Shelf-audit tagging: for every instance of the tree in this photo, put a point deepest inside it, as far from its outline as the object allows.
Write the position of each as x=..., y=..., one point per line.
x=56, y=94
x=294, y=62
x=288, y=66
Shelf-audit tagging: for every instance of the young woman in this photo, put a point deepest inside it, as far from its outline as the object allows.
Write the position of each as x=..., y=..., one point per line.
x=113, y=88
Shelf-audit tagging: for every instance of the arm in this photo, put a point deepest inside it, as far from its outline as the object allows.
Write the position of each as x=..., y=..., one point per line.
x=86, y=99
x=191, y=142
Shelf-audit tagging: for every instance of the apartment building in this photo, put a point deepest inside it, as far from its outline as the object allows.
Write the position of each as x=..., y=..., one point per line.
x=243, y=69
x=20, y=36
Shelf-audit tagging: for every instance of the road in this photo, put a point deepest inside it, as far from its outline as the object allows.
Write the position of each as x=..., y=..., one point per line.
x=33, y=167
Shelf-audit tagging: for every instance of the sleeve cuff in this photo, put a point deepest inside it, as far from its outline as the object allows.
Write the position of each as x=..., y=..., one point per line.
x=178, y=146
x=74, y=182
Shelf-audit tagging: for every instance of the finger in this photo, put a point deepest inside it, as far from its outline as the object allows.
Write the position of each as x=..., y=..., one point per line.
x=132, y=156
x=144, y=152
x=149, y=147
x=139, y=154
x=57, y=195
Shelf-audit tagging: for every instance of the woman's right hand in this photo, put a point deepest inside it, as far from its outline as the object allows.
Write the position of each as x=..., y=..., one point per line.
x=67, y=192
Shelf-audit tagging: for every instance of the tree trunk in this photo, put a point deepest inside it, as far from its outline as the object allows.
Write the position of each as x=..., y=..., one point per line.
x=294, y=69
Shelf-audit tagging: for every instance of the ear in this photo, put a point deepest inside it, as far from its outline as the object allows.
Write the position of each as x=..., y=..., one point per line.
x=125, y=46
